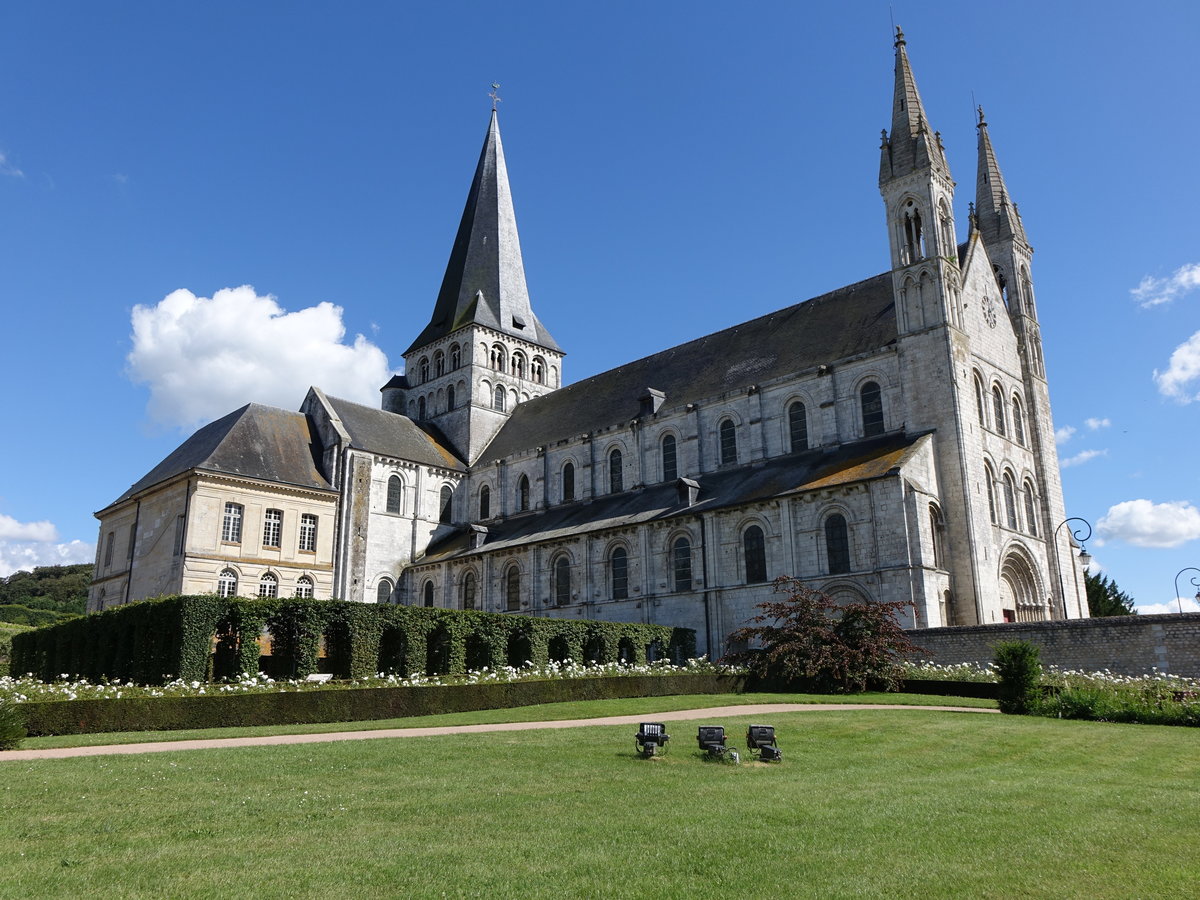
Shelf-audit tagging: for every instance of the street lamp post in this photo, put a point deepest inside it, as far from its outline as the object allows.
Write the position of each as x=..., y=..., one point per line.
x=1085, y=558
x=1195, y=584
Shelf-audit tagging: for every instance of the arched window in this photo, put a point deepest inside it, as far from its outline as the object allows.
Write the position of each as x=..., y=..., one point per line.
x=616, y=480
x=455, y=356
x=618, y=573
x=670, y=460
x=562, y=581
x=383, y=593
x=304, y=587
x=1010, y=501
x=468, y=590
x=937, y=534
x=512, y=589
x=445, y=505
x=681, y=563
x=518, y=364
x=837, y=544
x=427, y=593
x=231, y=529
x=227, y=583
x=798, y=426
x=1018, y=421
x=538, y=368
x=980, y=406
x=439, y=363
x=728, y=442
x=485, y=502
x=1030, y=513
x=395, y=494
x=998, y=409
x=754, y=554
x=1027, y=291
x=871, y=398
x=1002, y=282
x=424, y=369
x=268, y=585
x=450, y=397
x=989, y=480
x=914, y=241
x=498, y=357
x=498, y=399
x=568, y=481
x=522, y=493
x=946, y=234
x=421, y=409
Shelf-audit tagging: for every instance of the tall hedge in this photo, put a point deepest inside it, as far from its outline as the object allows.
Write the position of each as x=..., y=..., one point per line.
x=205, y=638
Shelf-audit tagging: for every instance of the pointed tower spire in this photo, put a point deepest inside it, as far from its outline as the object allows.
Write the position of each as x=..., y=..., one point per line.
x=484, y=282
x=911, y=145
x=998, y=216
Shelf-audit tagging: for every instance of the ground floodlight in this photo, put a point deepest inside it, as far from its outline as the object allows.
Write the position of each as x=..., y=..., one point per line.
x=762, y=739
x=711, y=739
x=651, y=737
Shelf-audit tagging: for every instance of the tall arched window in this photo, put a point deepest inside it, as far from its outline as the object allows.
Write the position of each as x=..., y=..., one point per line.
x=681, y=563
x=446, y=505
x=618, y=573
x=485, y=502
x=268, y=585
x=231, y=528
x=1018, y=421
x=914, y=241
x=498, y=398
x=989, y=480
x=455, y=356
x=427, y=593
x=670, y=460
x=568, y=481
x=421, y=409
x=512, y=589
x=998, y=409
x=1010, y=501
x=227, y=583
x=424, y=369
x=754, y=554
x=1030, y=513
x=1027, y=291
x=439, y=363
x=937, y=534
x=798, y=426
x=383, y=593
x=395, y=494
x=616, y=471
x=980, y=406
x=498, y=357
x=728, y=442
x=450, y=397
x=518, y=364
x=837, y=544
x=522, y=493
x=304, y=587
x=871, y=399
x=468, y=590
x=562, y=581
x=538, y=370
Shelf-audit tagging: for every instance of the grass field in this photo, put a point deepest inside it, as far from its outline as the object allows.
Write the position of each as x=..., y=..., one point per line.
x=888, y=803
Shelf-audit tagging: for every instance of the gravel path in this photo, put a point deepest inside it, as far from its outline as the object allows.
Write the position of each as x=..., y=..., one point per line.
x=712, y=712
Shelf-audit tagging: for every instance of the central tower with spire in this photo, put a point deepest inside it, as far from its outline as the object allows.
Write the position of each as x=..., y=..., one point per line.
x=484, y=350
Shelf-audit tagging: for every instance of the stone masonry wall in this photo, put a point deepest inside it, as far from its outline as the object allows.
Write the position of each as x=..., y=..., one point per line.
x=1127, y=645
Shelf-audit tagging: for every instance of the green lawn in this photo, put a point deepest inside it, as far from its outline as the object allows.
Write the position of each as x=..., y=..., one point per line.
x=877, y=804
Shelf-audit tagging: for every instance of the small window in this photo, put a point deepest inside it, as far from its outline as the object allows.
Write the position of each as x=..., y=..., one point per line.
x=616, y=480
x=936, y=532
x=989, y=480
x=424, y=369
x=304, y=587
x=512, y=589
x=728, y=442
x=980, y=406
x=308, y=533
x=1030, y=513
x=498, y=398
x=872, y=409
x=272, y=527
x=108, y=548
x=485, y=502
x=568, y=482
x=998, y=409
x=231, y=526
x=445, y=505
x=798, y=426
x=132, y=541
x=268, y=585
x=670, y=461
x=1010, y=502
x=227, y=583
x=562, y=581
x=383, y=593
x=450, y=397
x=618, y=573
x=455, y=356
x=468, y=590
x=1018, y=421
x=439, y=363
x=522, y=493
x=837, y=544
x=427, y=593
x=681, y=563
x=180, y=534
x=754, y=553
x=395, y=494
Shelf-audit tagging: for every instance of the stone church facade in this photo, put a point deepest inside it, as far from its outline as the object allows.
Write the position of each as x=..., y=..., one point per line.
x=889, y=440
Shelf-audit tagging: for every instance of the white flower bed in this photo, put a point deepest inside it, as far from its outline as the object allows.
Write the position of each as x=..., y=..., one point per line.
x=1053, y=675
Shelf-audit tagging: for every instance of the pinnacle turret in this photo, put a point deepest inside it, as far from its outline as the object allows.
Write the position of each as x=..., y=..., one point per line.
x=997, y=214
x=911, y=145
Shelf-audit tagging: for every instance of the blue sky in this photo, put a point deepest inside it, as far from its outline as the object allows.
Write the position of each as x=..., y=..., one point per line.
x=676, y=168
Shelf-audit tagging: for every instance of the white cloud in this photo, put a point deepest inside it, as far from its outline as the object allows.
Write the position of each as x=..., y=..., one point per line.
x=1097, y=424
x=1080, y=458
x=11, y=529
x=1146, y=524
x=24, y=545
x=7, y=168
x=1149, y=609
x=1183, y=375
x=1064, y=434
x=1156, y=291
x=203, y=357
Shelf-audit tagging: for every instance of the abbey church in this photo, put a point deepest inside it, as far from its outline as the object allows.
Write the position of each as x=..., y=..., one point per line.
x=889, y=440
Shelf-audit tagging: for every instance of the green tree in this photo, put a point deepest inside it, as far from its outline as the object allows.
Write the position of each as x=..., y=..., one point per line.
x=1105, y=598
x=62, y=589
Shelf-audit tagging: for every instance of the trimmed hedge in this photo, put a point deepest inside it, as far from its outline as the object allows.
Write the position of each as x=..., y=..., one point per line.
x=205, y=638
x=347, y=704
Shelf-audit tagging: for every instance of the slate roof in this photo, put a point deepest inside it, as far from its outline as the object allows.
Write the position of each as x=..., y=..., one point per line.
x=778, y=477
x=851, y=320
x=391, y=434
x=256, y=441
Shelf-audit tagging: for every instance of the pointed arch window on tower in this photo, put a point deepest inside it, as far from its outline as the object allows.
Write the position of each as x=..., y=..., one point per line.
x=1010, y=501
x=1030, y=513
x=914, y=240
x=1027, y=291
x=946, y=222
x=670, y=460
x=1003, y=284
x=498, y=399
x=871, y=399
x=989, y=480
x=568, y=482
x=616, y=471
x=798, y=426
x=485, y=502
x=523, y=493
x=455, y=356
x=998, y=409
x=450, y=397
x=1018, y=421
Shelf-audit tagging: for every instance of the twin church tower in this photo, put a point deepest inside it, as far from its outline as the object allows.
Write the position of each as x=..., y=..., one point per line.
x=889, y=440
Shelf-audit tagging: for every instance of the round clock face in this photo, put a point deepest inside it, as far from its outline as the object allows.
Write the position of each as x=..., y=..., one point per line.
x=989, y=312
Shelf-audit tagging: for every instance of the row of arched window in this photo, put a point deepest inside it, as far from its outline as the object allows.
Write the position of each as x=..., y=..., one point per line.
x=441, y=363
x=394, y=499
x=1005, y=416
x=1011, y=509
x=268, y=585
x=434, y=404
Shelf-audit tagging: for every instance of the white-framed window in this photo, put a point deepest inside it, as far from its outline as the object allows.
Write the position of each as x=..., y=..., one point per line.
x=227, y=583
x=308, y=533
x=231, y=525
x=268, y=585
x=304, y=587
x=272, y=527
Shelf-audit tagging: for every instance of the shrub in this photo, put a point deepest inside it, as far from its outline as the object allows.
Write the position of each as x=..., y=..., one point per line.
x=12, y=725
x=1019, y=672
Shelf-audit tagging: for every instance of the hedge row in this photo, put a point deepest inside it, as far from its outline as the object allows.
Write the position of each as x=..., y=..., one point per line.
x=207, y=638
x=347, y=704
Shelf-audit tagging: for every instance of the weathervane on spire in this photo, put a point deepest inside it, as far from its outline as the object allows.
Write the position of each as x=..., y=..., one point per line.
x=495, y=95
x=982, y=121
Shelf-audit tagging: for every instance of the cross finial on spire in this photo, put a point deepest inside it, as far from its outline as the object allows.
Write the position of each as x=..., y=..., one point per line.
x=982, y=121
x=899, y=37
x=495, y=95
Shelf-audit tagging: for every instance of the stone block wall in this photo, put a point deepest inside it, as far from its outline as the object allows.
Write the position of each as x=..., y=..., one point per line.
x=1127, y=645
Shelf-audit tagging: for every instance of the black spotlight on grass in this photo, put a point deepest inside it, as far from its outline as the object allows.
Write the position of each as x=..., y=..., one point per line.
x=762, y=739
x=651, y=738
x=712, y=741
